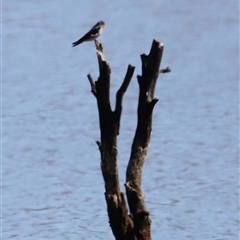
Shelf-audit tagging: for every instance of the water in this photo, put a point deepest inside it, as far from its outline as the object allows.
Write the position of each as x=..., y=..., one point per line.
x=52, y=186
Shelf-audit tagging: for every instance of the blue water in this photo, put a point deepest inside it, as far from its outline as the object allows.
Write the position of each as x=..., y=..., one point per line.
x=52, y=186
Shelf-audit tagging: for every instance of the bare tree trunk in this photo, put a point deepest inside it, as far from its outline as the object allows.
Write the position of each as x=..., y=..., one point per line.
x=135, y=225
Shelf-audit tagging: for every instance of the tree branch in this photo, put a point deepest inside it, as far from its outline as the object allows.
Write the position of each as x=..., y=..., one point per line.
x=93, y=86
x=120, y=93
x=120, y=222
x=146, y=103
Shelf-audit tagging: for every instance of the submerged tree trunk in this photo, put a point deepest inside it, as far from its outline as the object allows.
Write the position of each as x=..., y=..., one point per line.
x=132, y=224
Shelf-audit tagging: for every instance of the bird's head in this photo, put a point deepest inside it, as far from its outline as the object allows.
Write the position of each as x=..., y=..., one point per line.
x=101, y=23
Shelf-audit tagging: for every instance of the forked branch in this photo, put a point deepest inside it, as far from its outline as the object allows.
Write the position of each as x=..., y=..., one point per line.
x=119, y=219
x=135, y=225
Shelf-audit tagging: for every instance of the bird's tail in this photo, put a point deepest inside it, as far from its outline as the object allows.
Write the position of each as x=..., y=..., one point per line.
x=77, y=43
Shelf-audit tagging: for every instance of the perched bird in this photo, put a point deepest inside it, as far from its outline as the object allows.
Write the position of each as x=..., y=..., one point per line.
x=92, y=34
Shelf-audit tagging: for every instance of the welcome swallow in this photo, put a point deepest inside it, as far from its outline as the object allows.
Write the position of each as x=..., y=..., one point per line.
x=92, y=34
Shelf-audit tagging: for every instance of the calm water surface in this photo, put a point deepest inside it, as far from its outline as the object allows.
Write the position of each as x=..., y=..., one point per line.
x=52, y=186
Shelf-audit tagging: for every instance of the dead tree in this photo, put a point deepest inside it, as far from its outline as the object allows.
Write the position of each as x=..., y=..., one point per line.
x=132, y=224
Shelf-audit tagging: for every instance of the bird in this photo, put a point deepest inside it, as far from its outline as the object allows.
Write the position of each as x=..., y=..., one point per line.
x=92, y=34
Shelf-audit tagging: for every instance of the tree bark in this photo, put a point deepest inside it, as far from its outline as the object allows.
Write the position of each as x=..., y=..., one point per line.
x=135, y=225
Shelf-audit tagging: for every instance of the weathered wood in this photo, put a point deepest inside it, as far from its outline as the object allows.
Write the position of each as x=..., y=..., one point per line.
x=120, y=222
x=136, y=225
x=147, y=83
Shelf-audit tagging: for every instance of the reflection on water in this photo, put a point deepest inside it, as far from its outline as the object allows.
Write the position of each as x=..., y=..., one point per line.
x=52, y=184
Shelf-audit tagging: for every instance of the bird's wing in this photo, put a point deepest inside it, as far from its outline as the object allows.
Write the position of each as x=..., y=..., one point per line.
x=94, y=31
